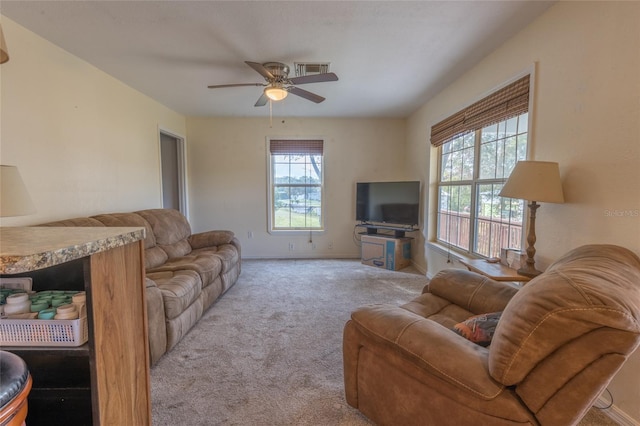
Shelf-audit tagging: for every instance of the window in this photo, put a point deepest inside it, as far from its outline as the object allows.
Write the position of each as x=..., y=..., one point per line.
x=475, y=159
x=296, y=185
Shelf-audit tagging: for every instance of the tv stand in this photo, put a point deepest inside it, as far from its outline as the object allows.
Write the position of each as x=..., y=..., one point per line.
x=372, y=229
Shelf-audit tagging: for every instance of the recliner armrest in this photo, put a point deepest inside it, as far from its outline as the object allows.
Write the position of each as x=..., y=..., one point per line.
x=210, y=239
x=471, y=291
x=430, y=345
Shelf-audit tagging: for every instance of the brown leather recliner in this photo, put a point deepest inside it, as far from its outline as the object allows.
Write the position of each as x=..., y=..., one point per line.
x=558, y=343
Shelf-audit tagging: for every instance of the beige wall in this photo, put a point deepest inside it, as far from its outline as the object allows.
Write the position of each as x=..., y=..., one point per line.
x=586, y=117
x=228, y=172
x=84, y=142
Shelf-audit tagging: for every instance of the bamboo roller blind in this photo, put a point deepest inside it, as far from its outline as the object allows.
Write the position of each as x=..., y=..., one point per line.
x=510, y=101
x=300, y=146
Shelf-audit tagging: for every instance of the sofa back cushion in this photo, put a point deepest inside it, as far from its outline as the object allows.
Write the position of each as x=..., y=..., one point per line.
x=590, y=289
x=154, y=256
x=171, y=230
x=128, y=219
x=78, y=221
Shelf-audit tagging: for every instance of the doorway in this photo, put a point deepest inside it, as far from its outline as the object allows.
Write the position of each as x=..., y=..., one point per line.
x=173, y=170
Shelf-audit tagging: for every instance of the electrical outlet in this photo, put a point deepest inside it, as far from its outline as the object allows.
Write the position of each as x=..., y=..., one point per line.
x=250, y=234
x=313, y=246
x=330, y=245
x=292, y=246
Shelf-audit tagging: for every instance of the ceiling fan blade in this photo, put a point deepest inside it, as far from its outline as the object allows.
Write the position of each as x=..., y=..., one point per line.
x=316, y=78
x=218, y=86
x=262, y=101
x=261, y=70
x=307, y=95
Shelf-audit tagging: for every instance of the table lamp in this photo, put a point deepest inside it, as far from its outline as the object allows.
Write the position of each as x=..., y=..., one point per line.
x=14, y=197
x=533, y=181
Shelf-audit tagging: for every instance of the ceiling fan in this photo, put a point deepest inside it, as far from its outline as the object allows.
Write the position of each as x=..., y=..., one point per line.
x=278, y=83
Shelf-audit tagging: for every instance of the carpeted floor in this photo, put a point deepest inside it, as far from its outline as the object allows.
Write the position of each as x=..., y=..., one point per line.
x=269, y=352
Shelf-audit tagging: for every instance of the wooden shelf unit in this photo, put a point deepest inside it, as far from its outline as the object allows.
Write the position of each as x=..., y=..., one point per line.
x=107, y=380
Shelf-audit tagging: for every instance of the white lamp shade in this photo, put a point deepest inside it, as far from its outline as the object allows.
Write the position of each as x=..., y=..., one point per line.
x=534, y=181
x=14, y=197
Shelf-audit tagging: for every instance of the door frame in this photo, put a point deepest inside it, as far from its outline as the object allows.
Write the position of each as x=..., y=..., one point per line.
x=181, y=148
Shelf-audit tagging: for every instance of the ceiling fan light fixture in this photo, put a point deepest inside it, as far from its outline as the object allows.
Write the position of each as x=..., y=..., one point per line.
x=275, y=93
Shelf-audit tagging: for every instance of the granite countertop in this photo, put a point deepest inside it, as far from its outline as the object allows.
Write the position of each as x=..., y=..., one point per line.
x=24, y=249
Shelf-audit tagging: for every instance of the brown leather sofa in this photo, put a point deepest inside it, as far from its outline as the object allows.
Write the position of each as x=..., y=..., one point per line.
x=185, y=272
x=557, y=344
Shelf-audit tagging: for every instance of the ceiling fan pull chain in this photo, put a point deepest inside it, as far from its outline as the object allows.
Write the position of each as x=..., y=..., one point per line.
x=270, y=113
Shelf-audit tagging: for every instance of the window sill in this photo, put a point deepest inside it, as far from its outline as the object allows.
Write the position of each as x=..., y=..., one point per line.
x=296, y=231
x=447, y=252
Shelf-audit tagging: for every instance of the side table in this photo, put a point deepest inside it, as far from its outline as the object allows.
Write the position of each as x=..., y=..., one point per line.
x=495, y=271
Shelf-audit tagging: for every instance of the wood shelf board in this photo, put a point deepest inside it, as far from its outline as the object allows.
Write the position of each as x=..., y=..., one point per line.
x=496, y=271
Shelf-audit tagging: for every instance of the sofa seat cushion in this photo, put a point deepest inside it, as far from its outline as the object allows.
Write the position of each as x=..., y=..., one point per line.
x=407, y=337
x=207, y=265
x=179, y=290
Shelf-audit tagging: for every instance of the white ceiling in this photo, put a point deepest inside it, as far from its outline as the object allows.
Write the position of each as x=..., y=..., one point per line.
x=390, y=56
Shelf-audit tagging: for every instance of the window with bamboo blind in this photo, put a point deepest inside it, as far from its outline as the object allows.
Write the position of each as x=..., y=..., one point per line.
x=478, y=148
x=296, y=183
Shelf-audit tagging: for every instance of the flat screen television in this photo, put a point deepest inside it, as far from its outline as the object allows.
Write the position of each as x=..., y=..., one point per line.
x=388, y=203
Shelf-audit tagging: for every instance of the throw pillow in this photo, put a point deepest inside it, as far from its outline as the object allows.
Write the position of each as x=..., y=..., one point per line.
x=479, y=328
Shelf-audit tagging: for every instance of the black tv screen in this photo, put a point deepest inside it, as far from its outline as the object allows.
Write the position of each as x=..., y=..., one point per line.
x=389, y=203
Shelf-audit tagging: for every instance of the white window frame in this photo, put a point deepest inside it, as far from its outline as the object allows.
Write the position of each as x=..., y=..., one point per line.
x=531, y=70
x=474, y=183
x=271, y=188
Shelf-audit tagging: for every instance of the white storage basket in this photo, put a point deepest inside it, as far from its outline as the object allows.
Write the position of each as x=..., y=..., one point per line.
x=38, y=332
x=22, y=283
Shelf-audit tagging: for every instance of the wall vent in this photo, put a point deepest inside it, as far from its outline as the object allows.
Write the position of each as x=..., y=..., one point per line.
x=311, y=68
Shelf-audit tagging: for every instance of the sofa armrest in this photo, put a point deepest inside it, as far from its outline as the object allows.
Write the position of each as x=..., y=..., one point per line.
x=210, y=239
x=430, y=346
x=236, y=243
x=471, y=291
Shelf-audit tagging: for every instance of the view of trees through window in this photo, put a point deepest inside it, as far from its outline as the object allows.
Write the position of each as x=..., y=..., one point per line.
x=473, y=168
x=297, y=191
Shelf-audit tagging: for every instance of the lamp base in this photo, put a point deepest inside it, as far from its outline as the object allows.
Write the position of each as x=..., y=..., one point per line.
x=528, y=269
x=529, y=272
